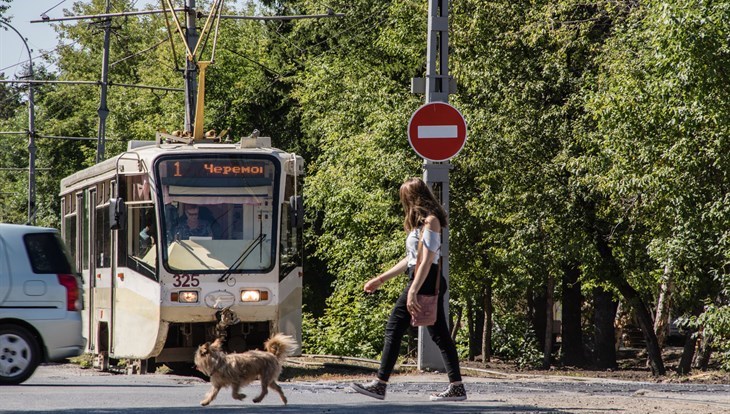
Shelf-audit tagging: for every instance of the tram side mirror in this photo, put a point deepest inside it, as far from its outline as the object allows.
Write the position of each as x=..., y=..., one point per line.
x=117, y=213
x=296, y=219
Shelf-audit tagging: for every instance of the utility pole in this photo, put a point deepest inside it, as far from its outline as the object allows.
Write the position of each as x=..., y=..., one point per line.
x=31, y=131
x=437, y=86
x=191, y=68
x=103, y=111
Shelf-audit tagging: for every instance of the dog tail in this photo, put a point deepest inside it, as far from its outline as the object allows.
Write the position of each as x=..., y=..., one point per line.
x=281, y=345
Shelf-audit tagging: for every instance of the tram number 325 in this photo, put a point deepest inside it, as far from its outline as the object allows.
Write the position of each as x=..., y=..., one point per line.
x=186, y=281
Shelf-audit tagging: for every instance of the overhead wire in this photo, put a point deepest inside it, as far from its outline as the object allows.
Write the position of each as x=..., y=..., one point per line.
x=42, y=55
x=279, y=76
x=139, y=53
x=58, y=4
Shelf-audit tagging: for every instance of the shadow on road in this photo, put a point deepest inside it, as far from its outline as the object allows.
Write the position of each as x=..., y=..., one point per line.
x=396, y=408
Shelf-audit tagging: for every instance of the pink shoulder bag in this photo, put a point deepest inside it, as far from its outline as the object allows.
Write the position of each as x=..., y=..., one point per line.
x=429, y=303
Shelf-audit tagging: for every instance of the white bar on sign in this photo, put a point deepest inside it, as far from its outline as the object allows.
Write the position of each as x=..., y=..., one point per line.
x=437, y=131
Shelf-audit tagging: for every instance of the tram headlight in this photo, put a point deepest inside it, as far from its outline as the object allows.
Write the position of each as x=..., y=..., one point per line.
x=185, y=296
x=253, y=295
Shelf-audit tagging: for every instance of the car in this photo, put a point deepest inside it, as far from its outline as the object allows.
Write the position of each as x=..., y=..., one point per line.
x=41, y=299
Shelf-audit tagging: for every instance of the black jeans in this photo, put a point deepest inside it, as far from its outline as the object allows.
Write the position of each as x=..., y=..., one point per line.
x=400, y=320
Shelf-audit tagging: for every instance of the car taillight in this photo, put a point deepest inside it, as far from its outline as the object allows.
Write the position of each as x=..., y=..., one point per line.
x=73, y=293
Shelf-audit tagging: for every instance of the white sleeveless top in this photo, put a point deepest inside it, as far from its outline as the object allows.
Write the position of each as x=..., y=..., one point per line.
x=431, y=239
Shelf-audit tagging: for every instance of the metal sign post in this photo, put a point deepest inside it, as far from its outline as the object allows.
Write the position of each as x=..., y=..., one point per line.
x=437, y=86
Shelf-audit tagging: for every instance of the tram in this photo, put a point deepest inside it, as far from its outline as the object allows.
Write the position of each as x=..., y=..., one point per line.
x=173, y=231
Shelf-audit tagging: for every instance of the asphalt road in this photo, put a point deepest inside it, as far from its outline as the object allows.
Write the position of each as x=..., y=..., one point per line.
x=68, y=389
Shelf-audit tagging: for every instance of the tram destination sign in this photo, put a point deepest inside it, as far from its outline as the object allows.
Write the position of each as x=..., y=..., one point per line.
x=215, y=168
x=437, y=131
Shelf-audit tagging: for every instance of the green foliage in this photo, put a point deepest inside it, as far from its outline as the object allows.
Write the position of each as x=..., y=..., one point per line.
x=515, y=340
x=659, y=147
x=588, y=122
x=84, y=361
x=714, y=323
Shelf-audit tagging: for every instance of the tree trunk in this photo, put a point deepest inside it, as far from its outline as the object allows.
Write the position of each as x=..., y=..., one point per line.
x=549, y=319
x=688, y=353
x=471, y=324
x=457, y=325
x=536, y=301
x=703, y=356
x=604, y=314
x=635, y=302
x=646, y=324
x=487, y=330
x=614, y=275
x=690, y=346
x=661, y=318
x=572, y=332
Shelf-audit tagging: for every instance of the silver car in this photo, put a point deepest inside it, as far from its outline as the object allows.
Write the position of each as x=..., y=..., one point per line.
x=40, y=301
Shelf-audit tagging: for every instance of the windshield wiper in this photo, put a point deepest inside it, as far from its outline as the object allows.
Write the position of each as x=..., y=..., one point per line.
x=246, y=252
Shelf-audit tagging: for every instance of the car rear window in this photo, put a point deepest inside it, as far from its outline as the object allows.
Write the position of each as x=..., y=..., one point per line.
x=47, y=253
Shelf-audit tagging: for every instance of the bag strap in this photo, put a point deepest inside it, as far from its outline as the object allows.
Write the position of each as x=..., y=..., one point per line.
x=418, y=262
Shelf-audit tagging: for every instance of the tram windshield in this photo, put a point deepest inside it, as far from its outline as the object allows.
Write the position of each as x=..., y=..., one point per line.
x=218, y=213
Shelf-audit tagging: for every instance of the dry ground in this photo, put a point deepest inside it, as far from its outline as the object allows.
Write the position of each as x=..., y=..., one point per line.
x=632, y=367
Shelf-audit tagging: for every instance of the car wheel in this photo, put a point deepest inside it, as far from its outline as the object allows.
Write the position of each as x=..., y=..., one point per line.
x=19, y=354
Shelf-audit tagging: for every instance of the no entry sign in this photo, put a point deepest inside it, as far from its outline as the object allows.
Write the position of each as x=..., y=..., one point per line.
x=437, y=131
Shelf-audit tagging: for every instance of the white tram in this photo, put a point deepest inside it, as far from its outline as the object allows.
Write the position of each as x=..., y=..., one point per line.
x=153, y=291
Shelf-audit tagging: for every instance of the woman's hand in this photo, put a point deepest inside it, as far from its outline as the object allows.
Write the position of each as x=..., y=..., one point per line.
x=412, y=303
x=373, y=284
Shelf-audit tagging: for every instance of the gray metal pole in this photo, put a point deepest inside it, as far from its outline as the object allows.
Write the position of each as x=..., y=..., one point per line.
x=437, y=174
x=103, y=111
x=31, y=132
x=191, y=69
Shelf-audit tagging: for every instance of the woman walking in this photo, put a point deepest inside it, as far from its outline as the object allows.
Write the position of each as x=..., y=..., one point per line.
x=424, y=218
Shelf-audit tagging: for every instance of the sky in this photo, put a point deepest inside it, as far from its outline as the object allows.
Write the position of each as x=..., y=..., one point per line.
x=40, y=36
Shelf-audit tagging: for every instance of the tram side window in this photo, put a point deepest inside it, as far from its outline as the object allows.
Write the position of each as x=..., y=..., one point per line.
x=84, y=213
x=103, y=238
x=69, y=223
x=142, y=239
x=138, y=241
x=290, y=252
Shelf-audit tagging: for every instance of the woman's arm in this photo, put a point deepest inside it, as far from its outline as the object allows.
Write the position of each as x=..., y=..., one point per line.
x=427, y=257
x=373, y=284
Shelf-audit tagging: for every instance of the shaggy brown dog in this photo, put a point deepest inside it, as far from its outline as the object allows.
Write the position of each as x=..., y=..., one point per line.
x=238, y=370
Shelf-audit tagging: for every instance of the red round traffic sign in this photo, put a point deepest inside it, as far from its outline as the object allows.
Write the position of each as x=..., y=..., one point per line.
x=437, y=131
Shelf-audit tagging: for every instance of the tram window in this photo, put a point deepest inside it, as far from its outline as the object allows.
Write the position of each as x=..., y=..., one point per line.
x=69, y=233
x=235, y=197
x=139, y=188
x=103, y=239
x=290, y=252
x=137, y=244
x=69, y=223
x=100, y=194
x=80, y=228
x=85, y=212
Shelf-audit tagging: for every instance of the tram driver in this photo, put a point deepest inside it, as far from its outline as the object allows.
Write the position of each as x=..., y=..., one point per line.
x=192, y=224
